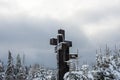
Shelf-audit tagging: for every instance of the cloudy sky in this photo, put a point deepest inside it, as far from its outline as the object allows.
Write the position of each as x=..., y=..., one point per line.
x=27, y=25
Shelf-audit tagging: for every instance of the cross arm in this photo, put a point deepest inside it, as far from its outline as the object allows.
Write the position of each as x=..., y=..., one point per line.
x=53, y=41
x=69, y=43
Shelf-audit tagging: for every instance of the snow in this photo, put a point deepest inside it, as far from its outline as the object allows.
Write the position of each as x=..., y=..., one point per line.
x=107, y=67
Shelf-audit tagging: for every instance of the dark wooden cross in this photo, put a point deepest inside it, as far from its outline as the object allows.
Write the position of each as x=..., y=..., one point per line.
x=62, y=49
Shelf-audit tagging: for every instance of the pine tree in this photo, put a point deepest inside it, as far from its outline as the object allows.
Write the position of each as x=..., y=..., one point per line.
x=1, y=66
x=9, y=74
x=1, y=70
x=20, y=72
x=18, y=64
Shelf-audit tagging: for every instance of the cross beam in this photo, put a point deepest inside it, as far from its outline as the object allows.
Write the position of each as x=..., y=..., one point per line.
x=53, y=41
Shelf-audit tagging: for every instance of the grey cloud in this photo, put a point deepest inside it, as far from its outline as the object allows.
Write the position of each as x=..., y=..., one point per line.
x=96, y=14
x=33, y=39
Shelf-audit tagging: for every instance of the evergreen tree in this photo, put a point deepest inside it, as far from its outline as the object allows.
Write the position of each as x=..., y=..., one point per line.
x=1, y=66
x=20, y=72
x=9, y=74
x=1, y=70
x=18, y=64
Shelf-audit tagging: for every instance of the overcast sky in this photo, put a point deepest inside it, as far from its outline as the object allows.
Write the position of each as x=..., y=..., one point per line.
x=27, y=25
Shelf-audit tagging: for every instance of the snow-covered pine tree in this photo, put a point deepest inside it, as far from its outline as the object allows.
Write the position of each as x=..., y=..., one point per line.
x=20, y=72
x=1, y=70
x=117, y=57
x=18, y=64
x=9, y=74
x=108, y=68
x=1, y=66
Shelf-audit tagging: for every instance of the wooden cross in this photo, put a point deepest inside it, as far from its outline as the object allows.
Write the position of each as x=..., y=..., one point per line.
x=62, y=49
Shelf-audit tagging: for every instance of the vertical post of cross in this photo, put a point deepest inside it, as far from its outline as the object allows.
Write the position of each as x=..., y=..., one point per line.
x=62, y=49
